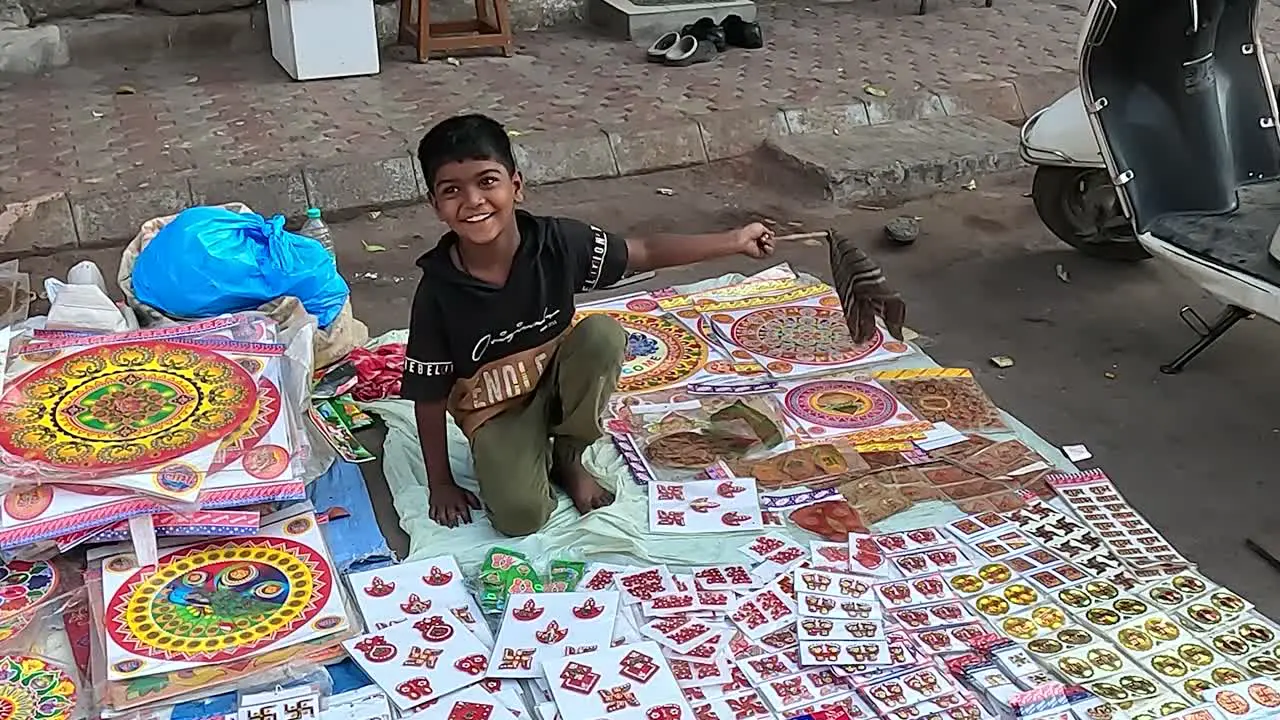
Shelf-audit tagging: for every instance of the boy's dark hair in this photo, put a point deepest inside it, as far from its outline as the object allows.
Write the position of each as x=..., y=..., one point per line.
x=461, y=138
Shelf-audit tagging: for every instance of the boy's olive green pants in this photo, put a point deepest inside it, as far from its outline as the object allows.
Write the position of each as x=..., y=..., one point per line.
x=513, y=451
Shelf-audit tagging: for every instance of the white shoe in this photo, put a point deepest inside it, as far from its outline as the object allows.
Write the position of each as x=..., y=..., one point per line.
x=658, y=50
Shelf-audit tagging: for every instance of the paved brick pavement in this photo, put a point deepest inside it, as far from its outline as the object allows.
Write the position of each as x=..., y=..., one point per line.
x=71, y=131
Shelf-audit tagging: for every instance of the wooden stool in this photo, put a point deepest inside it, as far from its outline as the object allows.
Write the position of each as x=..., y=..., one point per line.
x=486, y=31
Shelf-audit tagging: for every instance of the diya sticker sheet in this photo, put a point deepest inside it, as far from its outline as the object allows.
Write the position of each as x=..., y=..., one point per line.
x=147, y=416
x=800, y=338
x=660, y=351
x=856, y=407
x=220, y=600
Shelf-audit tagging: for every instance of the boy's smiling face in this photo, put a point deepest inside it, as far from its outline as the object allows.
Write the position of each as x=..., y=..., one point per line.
x=477, y=199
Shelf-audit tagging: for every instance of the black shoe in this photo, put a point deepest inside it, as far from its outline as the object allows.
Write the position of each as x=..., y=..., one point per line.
x=707, y=30
x=658, y=50
x=743, y=34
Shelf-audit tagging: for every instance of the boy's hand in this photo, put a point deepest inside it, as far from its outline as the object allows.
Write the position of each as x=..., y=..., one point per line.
x=451, y=505
x=755, y=240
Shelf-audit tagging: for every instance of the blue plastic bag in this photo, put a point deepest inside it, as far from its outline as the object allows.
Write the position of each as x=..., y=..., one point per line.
x=211, y=261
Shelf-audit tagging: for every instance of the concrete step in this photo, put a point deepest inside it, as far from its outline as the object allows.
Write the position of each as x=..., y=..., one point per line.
x=901, y=160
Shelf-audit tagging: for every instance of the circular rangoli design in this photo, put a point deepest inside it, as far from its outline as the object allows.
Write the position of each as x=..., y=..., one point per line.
x=841, y=404
x=660, y=352
x=23, y=585
x=124, y=407
x=220, y=600
x=801, y=334
x=33, y=689
x=265, y=412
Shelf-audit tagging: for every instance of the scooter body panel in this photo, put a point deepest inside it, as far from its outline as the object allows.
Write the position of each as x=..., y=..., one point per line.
x=1060, y=134
x=1180, y=100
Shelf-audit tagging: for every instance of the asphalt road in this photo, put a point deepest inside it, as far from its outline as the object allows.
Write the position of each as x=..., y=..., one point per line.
x=1192, y=452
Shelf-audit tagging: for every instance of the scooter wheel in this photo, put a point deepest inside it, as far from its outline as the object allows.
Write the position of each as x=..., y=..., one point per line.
x=1078, y=205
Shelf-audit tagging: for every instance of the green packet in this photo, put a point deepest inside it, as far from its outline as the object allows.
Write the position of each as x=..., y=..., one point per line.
x=505, y=572
x=564, y=575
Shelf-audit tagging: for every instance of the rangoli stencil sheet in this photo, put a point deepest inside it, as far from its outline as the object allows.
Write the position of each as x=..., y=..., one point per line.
x=417, y=662
x=220, y=600
x=540, y=627
x=632, y=682
x=856, y=408
x=800, y=338
x=704, y=506
x=403, y=593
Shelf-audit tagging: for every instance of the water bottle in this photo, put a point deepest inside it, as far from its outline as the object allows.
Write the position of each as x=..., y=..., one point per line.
x=315, y=229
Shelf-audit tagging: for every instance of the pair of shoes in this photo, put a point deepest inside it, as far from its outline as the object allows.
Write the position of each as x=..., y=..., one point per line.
x=701, y=41
x=679, y=50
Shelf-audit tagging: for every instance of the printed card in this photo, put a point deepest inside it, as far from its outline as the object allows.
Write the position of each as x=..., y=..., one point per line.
x=889, y=696
x=933, y=616
x=942, y=558
x=866, y=557
x=865, y=653
x=1002, y=545
x=723, y=577
x=833, y=557
x=825, y=629
x=923, y=590
x=600, y=576
x=704, y=506
x=640, y=585
x=632, y=682
x=849, y=587
x=417, y=661
x=911, y=540
x=711, y=647
x=765, y=545
x=680, y=633
x=691, y=673
x=471, y=703
x=763, y=612
x=826, y=606
x=806, y=689
x=538, y=627
x=404, y=592
x=976, y=526
x=763, y=668
x=946, y=640
x=747, y=705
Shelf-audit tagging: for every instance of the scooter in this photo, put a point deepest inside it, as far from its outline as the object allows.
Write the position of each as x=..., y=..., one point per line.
x=1181, y=104
x=1072, y=191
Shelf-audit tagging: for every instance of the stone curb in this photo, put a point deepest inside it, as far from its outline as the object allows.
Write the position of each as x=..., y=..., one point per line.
x=61, y=221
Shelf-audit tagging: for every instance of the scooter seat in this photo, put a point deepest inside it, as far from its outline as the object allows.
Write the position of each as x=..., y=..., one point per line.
x=1240, y=240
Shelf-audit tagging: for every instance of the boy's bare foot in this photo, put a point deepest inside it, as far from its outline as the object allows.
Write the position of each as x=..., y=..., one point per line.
x=580, y=485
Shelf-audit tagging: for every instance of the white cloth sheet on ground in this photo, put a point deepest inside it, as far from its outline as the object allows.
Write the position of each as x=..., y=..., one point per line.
x=619, y=530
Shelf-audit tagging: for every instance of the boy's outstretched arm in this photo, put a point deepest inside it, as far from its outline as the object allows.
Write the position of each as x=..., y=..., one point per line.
x=664, y=251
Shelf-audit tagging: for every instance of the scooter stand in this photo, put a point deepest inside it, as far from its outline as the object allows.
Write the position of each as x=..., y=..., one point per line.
x=1208, y=333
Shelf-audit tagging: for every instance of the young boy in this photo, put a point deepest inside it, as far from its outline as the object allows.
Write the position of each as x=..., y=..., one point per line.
x=491, y=338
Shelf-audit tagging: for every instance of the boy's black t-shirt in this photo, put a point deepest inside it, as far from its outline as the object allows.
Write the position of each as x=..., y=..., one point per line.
x=483, y=347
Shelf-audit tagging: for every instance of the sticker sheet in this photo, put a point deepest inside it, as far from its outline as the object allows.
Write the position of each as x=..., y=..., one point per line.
x=763, y=612
x=632, y=682
x=417, y=662
x=704, y=506
x=1097, y=501
x=469, y=703
x=283, y=581
x=403, y=592
x=853, y=408
x=536, y=628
